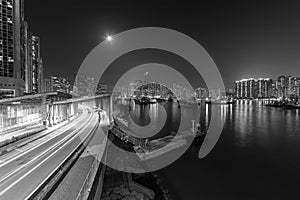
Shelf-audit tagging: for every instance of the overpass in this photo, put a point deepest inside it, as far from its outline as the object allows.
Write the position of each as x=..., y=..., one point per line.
x=48, y=108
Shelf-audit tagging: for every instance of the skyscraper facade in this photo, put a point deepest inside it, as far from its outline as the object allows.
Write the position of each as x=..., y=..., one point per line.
x=85, y=84
x=36, y=64
x=48, y=87
x=238, y=89
x=34, y=79
x=60, y=84
x=21, y=66
x=283, y=87
x=264, y=86
x=12, y=76
x=201, y=93
x=254, y=88
x=91, y=89
x=247, y=88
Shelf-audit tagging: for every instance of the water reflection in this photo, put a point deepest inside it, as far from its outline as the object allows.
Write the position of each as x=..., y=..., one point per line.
x=259, y=147
x=250, y=121
x=178, y=118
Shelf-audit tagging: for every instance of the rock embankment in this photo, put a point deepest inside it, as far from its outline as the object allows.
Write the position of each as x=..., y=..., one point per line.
x=122, y=193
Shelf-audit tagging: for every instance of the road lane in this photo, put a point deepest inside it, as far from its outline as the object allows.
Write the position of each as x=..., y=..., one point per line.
x=45, y=137
x=21, y=176
x=70, y=187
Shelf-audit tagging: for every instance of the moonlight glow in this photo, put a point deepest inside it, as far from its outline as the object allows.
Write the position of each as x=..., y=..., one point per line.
x=109, y=38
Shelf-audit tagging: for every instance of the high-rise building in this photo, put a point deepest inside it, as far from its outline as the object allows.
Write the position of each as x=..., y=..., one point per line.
x=201, y=93
x=132, y=88
x=85, y=84
x=216, y=94
x=283, y=87
x=297, y=88
x=250, y=88
x=21, y=66
x=287, y=86
x=292, y=84
x=264, y=86
x=238, y=89
x=60, y=84
x=27, y=58
x=153, y=89
x=36, y=64
x=90, y=82
x=273, y=89
x=73, y=90
x=48, y=87
x=230, y=93
x=12, y=77
x=246, y=88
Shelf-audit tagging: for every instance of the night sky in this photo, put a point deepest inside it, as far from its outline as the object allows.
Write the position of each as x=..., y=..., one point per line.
x=244, y=38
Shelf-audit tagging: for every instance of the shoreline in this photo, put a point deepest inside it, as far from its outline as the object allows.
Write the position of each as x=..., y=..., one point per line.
x=151, y=180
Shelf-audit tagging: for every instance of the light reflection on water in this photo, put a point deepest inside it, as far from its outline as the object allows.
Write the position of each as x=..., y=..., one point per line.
x=259, y=124
x=143, y=115
x=257, y=156
x=251, y=121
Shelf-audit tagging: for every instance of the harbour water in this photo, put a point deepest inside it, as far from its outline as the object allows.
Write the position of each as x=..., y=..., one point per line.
x=256, y=157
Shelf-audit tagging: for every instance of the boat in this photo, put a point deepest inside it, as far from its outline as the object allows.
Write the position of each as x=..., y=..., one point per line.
x=143, y=100
x=152, y=101
x=170, y=99
x=274, y=105
x=160, y=100
x=221, y=101
x=285, y=105
x=231, y=101
x=208, y=101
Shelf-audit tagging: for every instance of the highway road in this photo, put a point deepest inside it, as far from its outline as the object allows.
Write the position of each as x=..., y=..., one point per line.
x=23, y=170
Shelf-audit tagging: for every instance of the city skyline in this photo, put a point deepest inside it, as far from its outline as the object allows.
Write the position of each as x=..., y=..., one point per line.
x=21, y=63
x=149, y=100
x=238, y=50
x=33, y=67
x=281, y=87
x=12, y=66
